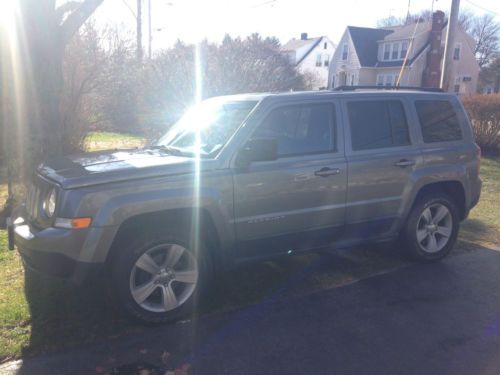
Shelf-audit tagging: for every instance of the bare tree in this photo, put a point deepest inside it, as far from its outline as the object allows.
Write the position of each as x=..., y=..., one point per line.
x=47, y=29
x=486, y=32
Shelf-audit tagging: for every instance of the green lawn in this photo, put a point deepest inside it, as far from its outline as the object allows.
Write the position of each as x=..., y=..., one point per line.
x=97, y=141
x=39, y=315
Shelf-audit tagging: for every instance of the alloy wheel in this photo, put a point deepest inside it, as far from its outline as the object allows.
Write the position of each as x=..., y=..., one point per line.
x=434, y=228
x=163, y=278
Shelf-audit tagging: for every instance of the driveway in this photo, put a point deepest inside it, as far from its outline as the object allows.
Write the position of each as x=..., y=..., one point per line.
x=439, y=318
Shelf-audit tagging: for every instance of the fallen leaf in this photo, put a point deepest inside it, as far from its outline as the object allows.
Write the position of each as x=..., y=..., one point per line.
x=99, y=370
x=143, y=351
x=165, y=357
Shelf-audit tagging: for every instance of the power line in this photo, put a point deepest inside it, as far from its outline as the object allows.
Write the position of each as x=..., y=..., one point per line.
x=129, y=8
x=483, y=8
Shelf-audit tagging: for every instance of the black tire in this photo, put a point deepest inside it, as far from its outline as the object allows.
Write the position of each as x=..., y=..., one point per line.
x=408, y=241
x=125, y=260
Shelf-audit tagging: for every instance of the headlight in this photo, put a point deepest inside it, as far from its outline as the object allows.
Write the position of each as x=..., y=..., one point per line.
x=49, y=204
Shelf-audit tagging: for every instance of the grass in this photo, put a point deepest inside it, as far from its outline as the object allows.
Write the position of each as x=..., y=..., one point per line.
x=39, y=315
x=98, y=141
x=483, y=224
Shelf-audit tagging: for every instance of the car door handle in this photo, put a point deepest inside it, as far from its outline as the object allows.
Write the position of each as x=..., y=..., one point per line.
x=404, y=163
x=325, y=172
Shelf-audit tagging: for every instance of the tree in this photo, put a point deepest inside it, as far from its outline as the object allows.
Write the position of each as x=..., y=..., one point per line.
x=486, y=32
x=237, y=65
x=490, y=75
x=44, y=30
x=391, y=21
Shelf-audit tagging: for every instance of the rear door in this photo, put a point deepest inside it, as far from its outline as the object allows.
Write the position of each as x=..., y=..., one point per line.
x=382, y=156
x=298, y=200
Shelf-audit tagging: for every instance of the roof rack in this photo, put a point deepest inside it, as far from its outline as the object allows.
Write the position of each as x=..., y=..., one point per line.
x=415, y=88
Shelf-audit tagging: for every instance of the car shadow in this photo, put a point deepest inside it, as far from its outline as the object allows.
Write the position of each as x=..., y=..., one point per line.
x=64, y=315
x=442, y=311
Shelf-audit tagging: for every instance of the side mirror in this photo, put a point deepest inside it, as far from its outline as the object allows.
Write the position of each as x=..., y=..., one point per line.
x=257, y=150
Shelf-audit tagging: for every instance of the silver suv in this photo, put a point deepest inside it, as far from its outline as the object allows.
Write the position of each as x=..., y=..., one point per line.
x=248, y=177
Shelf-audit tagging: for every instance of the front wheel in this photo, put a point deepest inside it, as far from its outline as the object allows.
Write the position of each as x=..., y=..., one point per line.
x=431, y=229
x=159, y=280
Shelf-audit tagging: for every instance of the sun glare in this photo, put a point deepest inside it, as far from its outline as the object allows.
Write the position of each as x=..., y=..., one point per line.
x=8, y=12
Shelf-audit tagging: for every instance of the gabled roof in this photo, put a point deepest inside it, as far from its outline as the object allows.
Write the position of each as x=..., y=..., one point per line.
x=295, y=44
x=365, y=43
x=407, y=31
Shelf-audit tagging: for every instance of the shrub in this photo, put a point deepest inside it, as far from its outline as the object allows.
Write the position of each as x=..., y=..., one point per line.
x=484, y=112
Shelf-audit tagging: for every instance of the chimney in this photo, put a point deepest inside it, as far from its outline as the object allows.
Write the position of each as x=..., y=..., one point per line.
x=432, y=72
x=303, y=36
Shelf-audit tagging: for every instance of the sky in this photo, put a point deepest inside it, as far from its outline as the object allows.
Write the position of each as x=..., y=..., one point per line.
x=195, y=20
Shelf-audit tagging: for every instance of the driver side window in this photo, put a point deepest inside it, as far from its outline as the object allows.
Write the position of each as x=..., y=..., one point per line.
x=300, y=129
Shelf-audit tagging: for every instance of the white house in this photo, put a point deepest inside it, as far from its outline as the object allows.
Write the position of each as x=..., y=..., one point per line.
x=367, y=56
x=311, y=56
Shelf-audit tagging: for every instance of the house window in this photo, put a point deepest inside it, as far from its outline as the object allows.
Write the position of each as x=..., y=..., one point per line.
x=404, y=50
x=352, y=80
x=395, y=51
x=327, y=60
x=456, y=53
x=386, y=79
x=318, y=59
x=456, y=86
x=325, y=45
x=345, y=51
x=387, y=51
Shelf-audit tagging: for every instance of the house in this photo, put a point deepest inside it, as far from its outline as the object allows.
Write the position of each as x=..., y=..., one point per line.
x=367, y=56
x=312, y=57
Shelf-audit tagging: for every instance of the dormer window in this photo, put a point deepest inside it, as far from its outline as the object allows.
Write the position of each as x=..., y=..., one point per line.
x=387, y=51
x=404, y=50
x=394, y=51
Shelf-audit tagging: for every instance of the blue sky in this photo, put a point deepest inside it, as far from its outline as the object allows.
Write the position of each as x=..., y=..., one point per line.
x=193, y=20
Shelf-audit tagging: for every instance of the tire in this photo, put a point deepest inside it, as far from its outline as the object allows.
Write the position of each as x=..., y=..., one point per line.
x=431, y=229
x=130, y=282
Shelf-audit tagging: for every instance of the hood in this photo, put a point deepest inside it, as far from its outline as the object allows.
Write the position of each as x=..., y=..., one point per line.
x=113, y=166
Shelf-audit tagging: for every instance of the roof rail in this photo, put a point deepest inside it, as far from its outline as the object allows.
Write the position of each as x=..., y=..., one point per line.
x=415, y=88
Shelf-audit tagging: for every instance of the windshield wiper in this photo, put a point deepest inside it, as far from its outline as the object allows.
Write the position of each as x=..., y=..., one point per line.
x=168, y=149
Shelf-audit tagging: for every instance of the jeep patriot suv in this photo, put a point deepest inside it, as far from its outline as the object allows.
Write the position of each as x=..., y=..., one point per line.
x=249, y=177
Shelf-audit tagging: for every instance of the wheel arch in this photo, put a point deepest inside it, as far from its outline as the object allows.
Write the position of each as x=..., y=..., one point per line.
x=454, y=189
x=178, y=219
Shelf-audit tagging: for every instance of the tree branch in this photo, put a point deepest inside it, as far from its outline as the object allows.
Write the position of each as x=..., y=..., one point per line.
x=70, y=6
x=77, y=18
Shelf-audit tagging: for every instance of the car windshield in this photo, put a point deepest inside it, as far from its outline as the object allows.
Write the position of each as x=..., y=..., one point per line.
x=206, y=127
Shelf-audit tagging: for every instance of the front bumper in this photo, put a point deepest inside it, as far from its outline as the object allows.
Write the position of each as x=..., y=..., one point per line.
x=52, y=251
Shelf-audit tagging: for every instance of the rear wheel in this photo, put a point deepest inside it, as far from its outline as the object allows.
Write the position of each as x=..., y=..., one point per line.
x=432, y=228
x=159, y=280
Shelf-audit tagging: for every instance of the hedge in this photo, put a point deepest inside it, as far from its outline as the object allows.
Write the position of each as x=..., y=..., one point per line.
x=484, y=112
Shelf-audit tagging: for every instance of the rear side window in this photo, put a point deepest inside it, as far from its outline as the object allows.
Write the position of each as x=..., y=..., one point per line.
x=300, y=129
x=377, y=124
x=438, y=121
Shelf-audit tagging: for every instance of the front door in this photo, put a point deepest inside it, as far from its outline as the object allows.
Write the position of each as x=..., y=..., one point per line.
x=297, y=201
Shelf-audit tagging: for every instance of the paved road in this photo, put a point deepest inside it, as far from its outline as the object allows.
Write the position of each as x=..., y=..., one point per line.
x=423, y=319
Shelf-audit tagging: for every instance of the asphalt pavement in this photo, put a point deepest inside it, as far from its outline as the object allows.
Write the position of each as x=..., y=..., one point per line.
x=441, y=318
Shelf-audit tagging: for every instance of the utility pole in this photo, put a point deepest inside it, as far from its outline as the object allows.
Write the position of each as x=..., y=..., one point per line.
x=447, y=67
x=139, y=30
x=149, y=29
